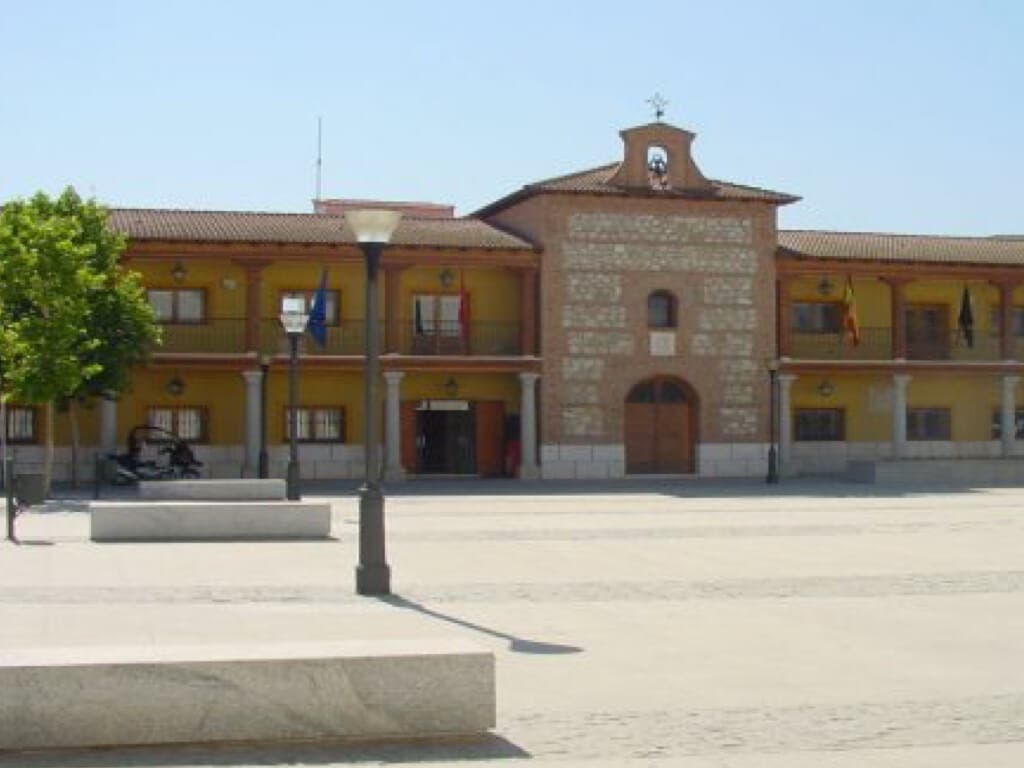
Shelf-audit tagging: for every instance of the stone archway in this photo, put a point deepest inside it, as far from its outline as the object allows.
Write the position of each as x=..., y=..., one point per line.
x=661, y=427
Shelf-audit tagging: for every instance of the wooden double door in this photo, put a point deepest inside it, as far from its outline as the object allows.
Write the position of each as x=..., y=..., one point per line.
x=660, y=427
x=453, y=437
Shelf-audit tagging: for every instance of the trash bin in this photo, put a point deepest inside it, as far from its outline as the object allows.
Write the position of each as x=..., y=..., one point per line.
x=29, y=489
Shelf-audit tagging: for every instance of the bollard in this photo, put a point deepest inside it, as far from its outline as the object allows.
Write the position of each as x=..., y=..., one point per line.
x=11, y=509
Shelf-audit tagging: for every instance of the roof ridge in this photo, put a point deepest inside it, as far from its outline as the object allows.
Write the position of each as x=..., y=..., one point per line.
x=869, y=233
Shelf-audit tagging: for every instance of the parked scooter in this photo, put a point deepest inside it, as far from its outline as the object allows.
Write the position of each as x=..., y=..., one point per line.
x=129, y=468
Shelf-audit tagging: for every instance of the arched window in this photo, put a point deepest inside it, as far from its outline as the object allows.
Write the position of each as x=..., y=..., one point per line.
x=661, y=310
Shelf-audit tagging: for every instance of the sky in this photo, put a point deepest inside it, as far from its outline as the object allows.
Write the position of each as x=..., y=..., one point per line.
x=883, y=116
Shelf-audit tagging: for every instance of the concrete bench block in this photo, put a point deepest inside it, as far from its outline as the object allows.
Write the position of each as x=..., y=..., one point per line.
x=205, y=521
x=99, y=696
x=213, y=490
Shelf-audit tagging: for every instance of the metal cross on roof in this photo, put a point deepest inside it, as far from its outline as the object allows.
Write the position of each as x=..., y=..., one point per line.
x=658, y=104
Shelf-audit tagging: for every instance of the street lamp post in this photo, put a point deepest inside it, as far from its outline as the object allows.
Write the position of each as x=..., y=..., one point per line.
x=294, y=319
x=773, y=457
x=373, y=230
x=264, y=461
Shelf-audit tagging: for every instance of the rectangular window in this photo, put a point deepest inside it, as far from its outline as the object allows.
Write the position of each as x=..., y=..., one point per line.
x=332, y=303
x=820, y=424
x=178, y=305
x=186, y=422
x=436, y=315
x=1017, y=323
x=997, y=425
x=929, y=424
x=21, y=424
x=817, y=317
x=317, y=425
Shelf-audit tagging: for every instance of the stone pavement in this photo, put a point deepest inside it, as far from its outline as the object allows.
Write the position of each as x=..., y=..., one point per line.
x=669, y=624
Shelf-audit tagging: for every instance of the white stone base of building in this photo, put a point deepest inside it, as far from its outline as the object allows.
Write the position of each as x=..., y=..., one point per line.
x=732, y=459
x=825, y=458
x=582, y=462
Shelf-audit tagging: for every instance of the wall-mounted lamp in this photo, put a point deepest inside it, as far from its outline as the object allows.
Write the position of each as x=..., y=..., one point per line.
x=826, y=388
x=178, y=272
x=825, y=286
x=447, y=277
x=175, y=386
x=451, y=387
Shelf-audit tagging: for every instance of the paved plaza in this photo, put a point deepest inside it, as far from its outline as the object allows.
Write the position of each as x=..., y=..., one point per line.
x=694, y=624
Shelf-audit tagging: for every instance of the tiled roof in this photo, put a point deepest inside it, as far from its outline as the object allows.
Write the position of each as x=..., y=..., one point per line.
x=870, y=246
x=595, y=181
x=303, y=228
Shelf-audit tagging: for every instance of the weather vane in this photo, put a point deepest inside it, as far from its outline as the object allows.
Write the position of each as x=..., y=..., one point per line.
x=658, y=104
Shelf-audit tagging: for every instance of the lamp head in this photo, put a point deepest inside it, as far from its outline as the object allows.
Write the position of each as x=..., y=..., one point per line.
x=293, y=315
x=373, y=225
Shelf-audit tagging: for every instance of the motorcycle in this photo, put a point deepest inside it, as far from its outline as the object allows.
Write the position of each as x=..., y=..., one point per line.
x=130, y=467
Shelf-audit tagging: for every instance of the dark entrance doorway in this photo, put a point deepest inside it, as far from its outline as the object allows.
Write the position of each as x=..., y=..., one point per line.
x=660, y=427
x=444, y=442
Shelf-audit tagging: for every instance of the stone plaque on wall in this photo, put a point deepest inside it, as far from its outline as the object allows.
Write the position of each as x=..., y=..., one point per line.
x=663, y=343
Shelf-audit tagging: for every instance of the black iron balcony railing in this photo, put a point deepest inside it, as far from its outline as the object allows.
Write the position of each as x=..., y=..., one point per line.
x=449, y=338
x=348, y=338
x=223, y=336
x=875, y=344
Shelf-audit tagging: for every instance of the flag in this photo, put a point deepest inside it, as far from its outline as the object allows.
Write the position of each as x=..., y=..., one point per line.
x=317, y=325
x=417, y=311
x=965, y=321
x=850, y=326
x=463, y=306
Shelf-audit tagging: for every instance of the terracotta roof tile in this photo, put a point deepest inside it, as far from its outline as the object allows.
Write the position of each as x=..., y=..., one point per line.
x=595, y=181
x=304, y=228
x=871, y=246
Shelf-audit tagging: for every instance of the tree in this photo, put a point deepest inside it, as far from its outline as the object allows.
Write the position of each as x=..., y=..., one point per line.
x=73, y=322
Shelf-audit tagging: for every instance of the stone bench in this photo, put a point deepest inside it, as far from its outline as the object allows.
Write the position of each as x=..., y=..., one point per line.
x=206, y=521
x=109, y=695
x=213, y=490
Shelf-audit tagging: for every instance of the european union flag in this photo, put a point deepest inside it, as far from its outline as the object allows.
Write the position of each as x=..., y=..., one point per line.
x=317, y=326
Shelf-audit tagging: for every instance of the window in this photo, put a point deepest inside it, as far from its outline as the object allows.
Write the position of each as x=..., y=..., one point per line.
x=179, y=305
x=817, y=317
x=317, y=425
x=997, y=426
x=820, y=424
x=331, y=310
x=928, y=424
x=436, y=315
x=186, y=422
x=21, y=424
x=1017, y=323
x=661, y=310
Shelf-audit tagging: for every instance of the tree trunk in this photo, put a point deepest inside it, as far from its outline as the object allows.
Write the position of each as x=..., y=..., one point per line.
x=73, y=419
x=48, y=454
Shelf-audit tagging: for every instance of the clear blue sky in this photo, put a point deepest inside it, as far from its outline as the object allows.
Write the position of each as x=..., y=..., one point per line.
x=889, y=116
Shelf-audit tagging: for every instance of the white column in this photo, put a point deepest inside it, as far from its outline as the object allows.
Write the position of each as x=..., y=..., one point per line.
x=528, y=469
x=253, y=387
x=392, y=426
x=900, y=382
x=785, y=421
x=1007, y=414
x=108, y=424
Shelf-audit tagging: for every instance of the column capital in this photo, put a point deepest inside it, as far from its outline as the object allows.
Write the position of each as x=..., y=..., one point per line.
x=252, y=376
x=786, y=379
x=394, y=376
x=1010, y=380
x=528, y=377
x=902, y=379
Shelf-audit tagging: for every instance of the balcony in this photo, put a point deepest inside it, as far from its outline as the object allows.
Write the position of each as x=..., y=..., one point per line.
x=221, y=336
x=876, y=344
x=349, y=338
x=490, y=339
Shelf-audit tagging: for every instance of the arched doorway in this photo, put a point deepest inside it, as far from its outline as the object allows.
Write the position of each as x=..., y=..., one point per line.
x=661, y=427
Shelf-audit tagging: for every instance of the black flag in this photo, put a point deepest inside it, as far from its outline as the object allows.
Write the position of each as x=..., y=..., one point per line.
x=966, y=318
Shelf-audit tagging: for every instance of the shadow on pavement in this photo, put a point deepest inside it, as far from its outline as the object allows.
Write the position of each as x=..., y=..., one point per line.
x=488, y=747
x=516, y=644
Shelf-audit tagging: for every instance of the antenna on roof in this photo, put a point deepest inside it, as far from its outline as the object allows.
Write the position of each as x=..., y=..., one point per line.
x=319, y=156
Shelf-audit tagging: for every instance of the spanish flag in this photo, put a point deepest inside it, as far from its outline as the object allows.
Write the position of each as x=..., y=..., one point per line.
x=850, y=326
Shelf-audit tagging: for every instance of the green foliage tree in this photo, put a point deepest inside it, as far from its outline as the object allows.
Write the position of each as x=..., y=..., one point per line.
x=73, y=321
